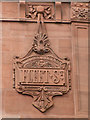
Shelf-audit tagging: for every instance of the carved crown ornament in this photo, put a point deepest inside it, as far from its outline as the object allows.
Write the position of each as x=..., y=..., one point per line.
x=41, y=73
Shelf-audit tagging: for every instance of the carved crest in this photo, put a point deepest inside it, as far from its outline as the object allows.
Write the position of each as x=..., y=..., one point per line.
x=41, y=73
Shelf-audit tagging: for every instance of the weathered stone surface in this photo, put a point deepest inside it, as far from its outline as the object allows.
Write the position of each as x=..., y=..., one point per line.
x=66, y=40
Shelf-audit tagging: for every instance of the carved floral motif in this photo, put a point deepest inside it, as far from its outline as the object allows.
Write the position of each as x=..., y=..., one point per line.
x=41, y=43
x=80, y=11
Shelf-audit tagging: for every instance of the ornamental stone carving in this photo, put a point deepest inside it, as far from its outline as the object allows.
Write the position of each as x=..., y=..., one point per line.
x=41, y=73
x=54, y=12
x=80, y=11
x=32, y=10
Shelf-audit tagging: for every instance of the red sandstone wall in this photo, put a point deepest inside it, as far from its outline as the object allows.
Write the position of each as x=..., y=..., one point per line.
x=67, y=40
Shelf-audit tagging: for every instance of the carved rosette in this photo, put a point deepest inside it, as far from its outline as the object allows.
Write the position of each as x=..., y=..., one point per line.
x=79, y=11
x=41, y=73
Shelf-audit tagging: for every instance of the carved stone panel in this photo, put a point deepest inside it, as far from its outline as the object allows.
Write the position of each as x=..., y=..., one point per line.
x=42, y=77
x=41, y=73
x=80, y=11
x=32, y=10
x=50, y=76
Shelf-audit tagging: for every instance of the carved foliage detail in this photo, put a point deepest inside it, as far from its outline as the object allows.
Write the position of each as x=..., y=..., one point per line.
x=43, y=101
x=41, y=43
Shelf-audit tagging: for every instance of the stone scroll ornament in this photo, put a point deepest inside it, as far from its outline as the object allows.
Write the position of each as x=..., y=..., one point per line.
x=41, y=73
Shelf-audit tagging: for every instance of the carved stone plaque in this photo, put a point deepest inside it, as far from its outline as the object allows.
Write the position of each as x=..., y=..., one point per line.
x=41, y=73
